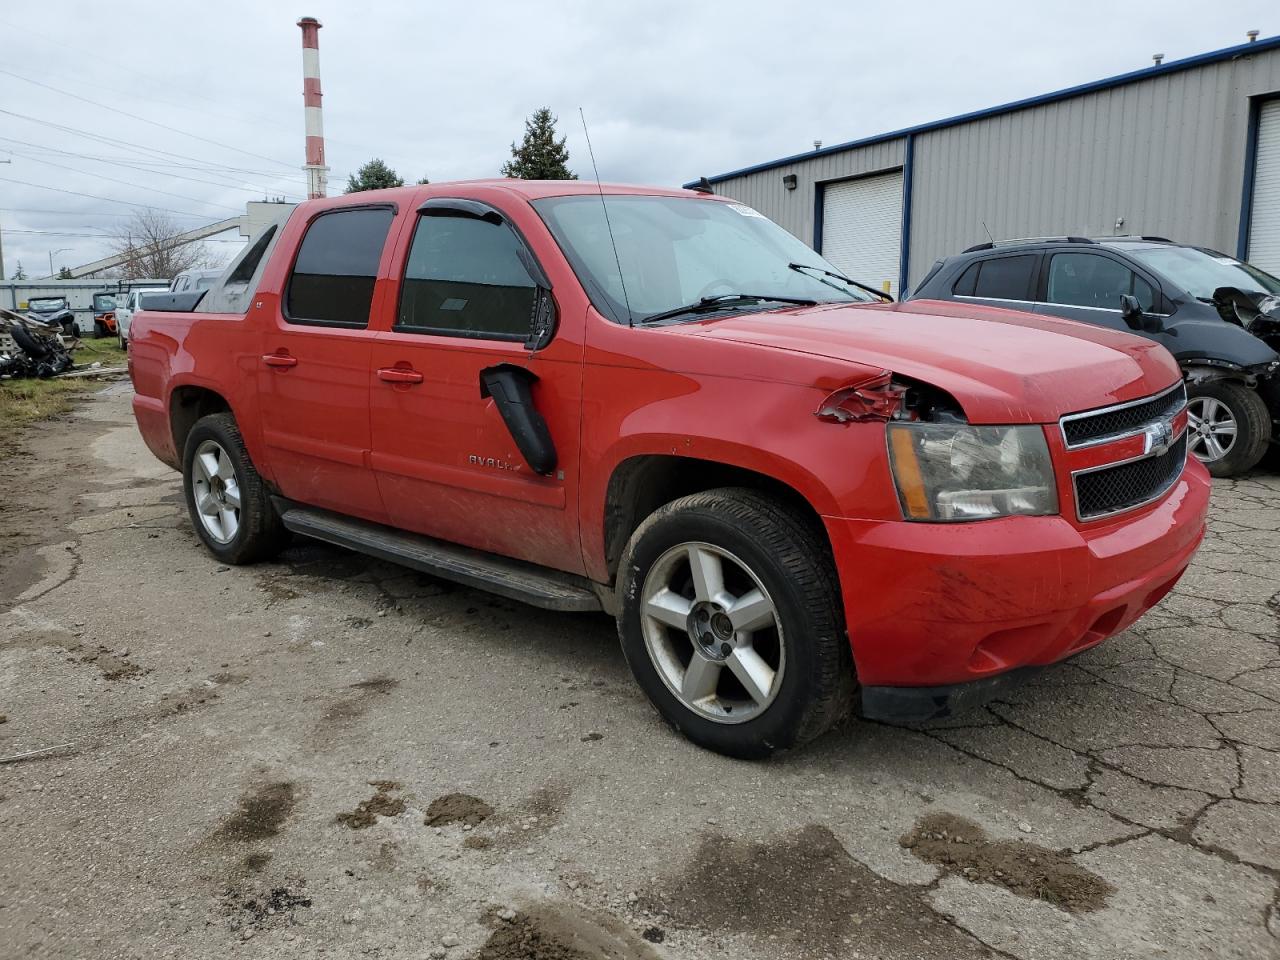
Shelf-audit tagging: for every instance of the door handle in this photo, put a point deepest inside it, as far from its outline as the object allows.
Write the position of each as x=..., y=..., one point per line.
x=399, y=375
x=279, y=360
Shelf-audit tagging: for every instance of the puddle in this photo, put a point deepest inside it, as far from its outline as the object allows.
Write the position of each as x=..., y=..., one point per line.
x=263, y=812
x=961, y=847
x=381, y=804
x=803, y=887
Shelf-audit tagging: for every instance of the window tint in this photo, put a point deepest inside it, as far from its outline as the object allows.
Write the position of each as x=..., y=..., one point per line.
x=332, y=279
x=1005, y=278
x=1088, y=280
x=964, y=286
x=244, y=270
x=465, y=277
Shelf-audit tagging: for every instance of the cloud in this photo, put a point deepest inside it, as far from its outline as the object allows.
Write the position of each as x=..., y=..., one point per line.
x=671, y=90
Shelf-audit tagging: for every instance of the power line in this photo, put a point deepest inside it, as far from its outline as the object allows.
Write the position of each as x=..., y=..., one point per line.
x=123, y=163
x=90, y=196
x=137, y=186
x=124, y=144
x=134, y=116
x=88, y=213
x=100, y=236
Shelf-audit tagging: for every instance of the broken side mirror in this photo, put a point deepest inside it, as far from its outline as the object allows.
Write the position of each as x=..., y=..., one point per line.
x=543, y=323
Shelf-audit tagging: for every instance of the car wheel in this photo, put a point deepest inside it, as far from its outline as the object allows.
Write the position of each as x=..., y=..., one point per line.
x=1228, y=426
x=99, y=330
x=124, y=341
x=229, y=504
x=731, y=622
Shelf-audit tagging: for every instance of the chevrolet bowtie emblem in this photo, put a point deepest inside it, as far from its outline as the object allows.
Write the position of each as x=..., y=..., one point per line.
x=1158, y=437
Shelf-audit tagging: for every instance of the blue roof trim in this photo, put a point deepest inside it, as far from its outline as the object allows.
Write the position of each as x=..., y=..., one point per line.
x=1146, y=73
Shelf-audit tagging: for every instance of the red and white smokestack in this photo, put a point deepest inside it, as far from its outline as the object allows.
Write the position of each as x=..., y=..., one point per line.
x=317, y=172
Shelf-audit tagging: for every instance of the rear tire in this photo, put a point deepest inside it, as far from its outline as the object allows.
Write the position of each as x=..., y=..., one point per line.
x=1230, y=426
x=229, y=504
x=99, y=330
x=702, y=645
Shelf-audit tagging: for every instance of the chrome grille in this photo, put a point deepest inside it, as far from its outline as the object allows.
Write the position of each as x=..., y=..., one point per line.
x=1106, y=490
x=1122, y=420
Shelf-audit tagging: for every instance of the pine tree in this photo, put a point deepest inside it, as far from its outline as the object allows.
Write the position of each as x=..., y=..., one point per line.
x=423, y=182
x=374, y=175
x=540, y=155
x=65, y=274
x=21, y=274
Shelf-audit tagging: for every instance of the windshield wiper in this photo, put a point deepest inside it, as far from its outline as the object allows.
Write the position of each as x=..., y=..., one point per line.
x=801, y=267
x=711, y=304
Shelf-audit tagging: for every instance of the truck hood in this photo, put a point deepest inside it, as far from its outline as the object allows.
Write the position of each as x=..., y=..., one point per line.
x=1003, y=366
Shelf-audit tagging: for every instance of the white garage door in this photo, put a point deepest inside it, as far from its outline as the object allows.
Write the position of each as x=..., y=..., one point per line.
x=862, y=229
x=1264, y=221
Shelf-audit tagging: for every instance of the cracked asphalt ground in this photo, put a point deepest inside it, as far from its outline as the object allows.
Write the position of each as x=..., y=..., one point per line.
x=255, y=753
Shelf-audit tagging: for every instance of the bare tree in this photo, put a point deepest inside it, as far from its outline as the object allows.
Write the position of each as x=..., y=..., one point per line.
x=152, y=248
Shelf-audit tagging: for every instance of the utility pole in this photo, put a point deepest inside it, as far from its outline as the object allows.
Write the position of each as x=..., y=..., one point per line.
x=2, y=240
x=51, y=253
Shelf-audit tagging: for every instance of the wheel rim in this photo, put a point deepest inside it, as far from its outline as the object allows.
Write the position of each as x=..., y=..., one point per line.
x=216, y=491
x=712, y=632
x=1211, y=428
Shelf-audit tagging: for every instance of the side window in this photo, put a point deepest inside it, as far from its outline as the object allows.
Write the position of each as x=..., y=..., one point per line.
x=467, y=277
x=1005, y=278
x=1088, y=280
x=964, y=286
x=332, y=279
x=248, y=264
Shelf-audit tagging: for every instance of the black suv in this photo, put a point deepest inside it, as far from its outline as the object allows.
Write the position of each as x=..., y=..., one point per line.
x=1219, y=317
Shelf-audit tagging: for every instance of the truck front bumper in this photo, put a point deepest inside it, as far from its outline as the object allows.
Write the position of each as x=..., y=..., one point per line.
x=943, y=616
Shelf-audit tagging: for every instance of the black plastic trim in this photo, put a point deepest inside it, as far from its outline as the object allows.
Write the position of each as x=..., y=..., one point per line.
x=918, y=704
x=511, y=388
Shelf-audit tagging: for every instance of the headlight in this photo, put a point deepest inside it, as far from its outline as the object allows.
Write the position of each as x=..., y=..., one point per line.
x=948, y=472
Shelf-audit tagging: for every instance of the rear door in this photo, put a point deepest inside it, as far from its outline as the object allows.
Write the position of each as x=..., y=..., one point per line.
x=1087, y=286
x=1003, y=280
x=313, y=374
x=446, y=461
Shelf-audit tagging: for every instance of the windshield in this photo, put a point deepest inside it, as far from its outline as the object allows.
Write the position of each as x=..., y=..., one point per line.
x=46, y=303
x=104, y=301
x=1200, y=271
x=676, y=250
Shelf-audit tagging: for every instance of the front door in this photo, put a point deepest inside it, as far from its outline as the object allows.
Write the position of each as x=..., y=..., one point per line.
x=447, y=463
x=1088, y=287
x=313, y=374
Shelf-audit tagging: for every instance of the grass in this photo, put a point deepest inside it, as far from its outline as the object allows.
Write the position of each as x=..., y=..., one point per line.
x=24, y=402
x=106, y=351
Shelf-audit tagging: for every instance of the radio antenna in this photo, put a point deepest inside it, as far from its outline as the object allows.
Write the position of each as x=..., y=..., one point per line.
x=989, y=236
x=609, y=226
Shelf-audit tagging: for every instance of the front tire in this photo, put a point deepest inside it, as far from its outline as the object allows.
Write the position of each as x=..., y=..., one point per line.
x=732, y=624
x=229, y=504
x=1228, y=427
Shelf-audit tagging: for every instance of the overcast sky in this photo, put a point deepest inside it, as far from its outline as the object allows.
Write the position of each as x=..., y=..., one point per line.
x=671, y=90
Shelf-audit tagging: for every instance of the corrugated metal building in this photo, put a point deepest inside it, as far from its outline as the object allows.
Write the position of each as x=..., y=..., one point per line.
x=1188, y=150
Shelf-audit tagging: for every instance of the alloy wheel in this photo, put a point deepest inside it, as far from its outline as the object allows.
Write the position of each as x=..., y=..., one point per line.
x=1211, y=428
x=216, y=491
x=712, y=632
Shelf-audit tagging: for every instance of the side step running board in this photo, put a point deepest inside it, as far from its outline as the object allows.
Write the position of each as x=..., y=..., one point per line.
x=549, y=589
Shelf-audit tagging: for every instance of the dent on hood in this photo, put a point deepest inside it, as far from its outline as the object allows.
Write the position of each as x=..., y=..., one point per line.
x=889, y=396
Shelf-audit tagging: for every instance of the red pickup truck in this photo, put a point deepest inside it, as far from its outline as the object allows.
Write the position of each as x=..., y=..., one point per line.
x=795, y=497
